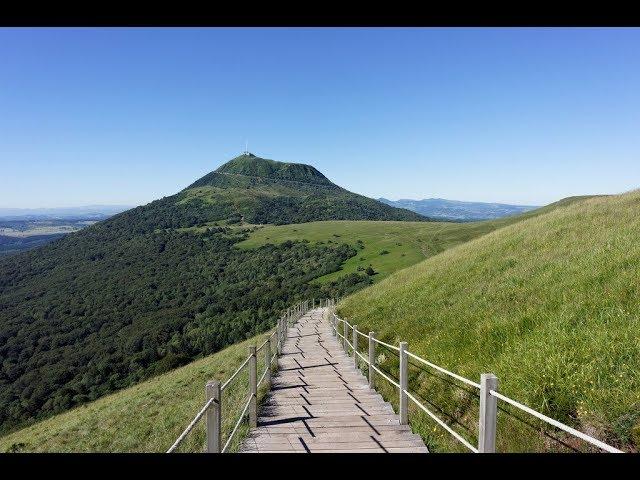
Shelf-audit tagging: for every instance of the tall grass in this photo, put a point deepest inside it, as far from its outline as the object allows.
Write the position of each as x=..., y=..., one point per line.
x=149, y=416
x=551, y=305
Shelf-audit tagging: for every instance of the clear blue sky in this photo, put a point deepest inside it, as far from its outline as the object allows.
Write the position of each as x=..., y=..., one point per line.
x=125, y=116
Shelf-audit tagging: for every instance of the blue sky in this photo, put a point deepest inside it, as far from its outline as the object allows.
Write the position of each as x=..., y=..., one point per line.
x=125, y=116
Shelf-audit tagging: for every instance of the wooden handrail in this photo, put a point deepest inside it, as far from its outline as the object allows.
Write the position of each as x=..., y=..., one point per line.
x=213, y=408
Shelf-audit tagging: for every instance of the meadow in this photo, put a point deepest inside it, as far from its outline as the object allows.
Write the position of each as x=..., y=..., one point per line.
x=386, y=246
x=550, y=304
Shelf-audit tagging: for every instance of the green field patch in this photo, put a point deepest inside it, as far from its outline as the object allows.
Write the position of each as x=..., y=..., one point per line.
x=405, y=243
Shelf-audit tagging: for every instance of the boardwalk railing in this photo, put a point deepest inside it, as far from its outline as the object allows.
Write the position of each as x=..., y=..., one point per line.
x=213, y=410
x=488, y=389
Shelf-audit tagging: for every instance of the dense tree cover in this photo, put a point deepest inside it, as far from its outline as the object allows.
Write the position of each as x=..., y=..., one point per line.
x=82, y=317
x=11, y=245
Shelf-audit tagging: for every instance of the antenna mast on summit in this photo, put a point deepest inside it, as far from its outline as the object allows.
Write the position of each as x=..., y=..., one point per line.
x=246, y=146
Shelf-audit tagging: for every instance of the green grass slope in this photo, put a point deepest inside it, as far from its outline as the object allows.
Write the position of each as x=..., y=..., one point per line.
x=147, y=417
x=550, y=304
x=406, y=243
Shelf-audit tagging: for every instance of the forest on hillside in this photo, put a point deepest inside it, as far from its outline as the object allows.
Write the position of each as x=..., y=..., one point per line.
x=104, y=308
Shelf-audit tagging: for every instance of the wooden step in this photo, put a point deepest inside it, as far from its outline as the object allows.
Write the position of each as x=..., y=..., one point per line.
x=320, y=402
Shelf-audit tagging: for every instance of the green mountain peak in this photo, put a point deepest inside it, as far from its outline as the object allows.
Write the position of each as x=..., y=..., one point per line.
x=260, y=190
x=250, y=165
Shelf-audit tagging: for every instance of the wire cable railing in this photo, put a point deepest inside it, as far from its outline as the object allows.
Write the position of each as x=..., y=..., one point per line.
x=488, y=387
x=191, y=425
x=455, y=434
x=555, y=423
x=235, y=374
x=237, y=425
x=386, y=377
x=443, y=370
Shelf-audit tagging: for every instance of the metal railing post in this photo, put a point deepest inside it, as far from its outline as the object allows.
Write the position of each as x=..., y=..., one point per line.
x=213, y=416
x=488, y=414
x=404, y=404
x=253, y=387
x=355, y=345
x=267, y=362
x=372, y=359
x=334, y=325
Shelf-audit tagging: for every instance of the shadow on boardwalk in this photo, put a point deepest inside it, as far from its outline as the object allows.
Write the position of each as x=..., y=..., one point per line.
x=319, y=402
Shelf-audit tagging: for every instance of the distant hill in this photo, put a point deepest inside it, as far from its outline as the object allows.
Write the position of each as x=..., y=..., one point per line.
x=10, y=245
x=23, y=229
x=87, y=212
x=159, y=285
x=441, y=209
x=550, y=304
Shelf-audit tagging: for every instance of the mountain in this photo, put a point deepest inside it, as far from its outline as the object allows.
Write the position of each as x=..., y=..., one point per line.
x=257, y=190
x=439, y=208
x=265, y=171
x=550, y=304
x=159, y=285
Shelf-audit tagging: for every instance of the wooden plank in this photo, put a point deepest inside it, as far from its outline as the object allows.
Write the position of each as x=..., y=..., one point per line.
x=320, y=402
x=338, y=436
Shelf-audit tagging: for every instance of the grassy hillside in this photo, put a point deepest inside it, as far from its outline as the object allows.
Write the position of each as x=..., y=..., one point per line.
x=550, y=304
x=405, y=243
x=147, y=417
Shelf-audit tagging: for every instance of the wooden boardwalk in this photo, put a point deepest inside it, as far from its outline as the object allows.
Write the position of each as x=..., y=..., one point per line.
x=320, y=403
